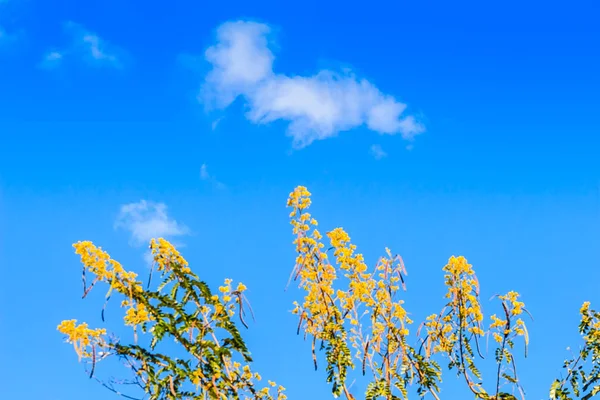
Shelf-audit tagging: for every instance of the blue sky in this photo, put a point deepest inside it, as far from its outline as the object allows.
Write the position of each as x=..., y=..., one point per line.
x=441, y=128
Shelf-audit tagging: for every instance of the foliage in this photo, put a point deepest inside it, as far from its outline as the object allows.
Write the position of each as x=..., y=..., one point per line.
x=182, y=308
x=578, y=383
x=354, y=314
x=346, y=306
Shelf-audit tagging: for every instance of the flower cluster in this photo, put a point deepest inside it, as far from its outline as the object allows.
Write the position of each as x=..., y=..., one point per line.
x=462, y=314
x=166, y=256
x=241, y=380
x=339, y=293
x=505, y=331
x=319, y=314
x=84, y=340
x=184, y=309
x=503, y=328
x=98, y=262
x=451, y=332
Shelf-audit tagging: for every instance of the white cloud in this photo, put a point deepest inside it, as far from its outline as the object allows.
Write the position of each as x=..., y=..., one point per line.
x=9, y=35
x=316, y=107
x=7, y=38
x=84, y=45
x=377, y=152
x=215, y=123
x=52, y=59
x=146, y=220
x=2, y=32
x=205, y=176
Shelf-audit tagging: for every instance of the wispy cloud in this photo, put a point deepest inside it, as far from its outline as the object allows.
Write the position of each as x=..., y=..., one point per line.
x=377, y=152
x=146, y=220
x=53, y=57
x=316, y=107
x=84, y=45
x=215, y=123
x=6, y=36
x=205, y=176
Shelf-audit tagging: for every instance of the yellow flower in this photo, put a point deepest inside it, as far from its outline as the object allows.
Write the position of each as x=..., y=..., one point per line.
x=477, y=330
x=81, y=336
x=137, y=315
x=98, y=262
x=498, y=323
x=585, y=307
x=167, y=257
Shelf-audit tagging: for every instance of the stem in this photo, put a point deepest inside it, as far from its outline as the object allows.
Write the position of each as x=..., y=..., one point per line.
x=505, y=336
x=460, y=346
x=571, y=371
x=347, y=393
x=416, y=366
x=500, y=366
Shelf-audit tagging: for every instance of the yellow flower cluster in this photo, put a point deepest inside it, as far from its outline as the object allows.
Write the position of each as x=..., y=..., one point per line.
x=299, y=200
x=229, y=298
x=505, y=330
x=463, y=312
x=463, y=290
x=441, y=334
x=329, y=310
x=585, y=308
x=240, y=379
x=98, y=262
x=512, y=299
x=361, y=283
x=82, y=337
x=325, y=310
x=390, y=320
x=360, y=287
x=137, y=314
x=498, y=323
x=590, y=319
x=167, y=256
x=502, y=328
x=227, y=378
x=316, y=274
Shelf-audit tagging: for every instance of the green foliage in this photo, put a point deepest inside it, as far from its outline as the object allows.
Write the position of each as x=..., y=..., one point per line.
x=582, y=372
x=182, y=310
x=356, y=315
